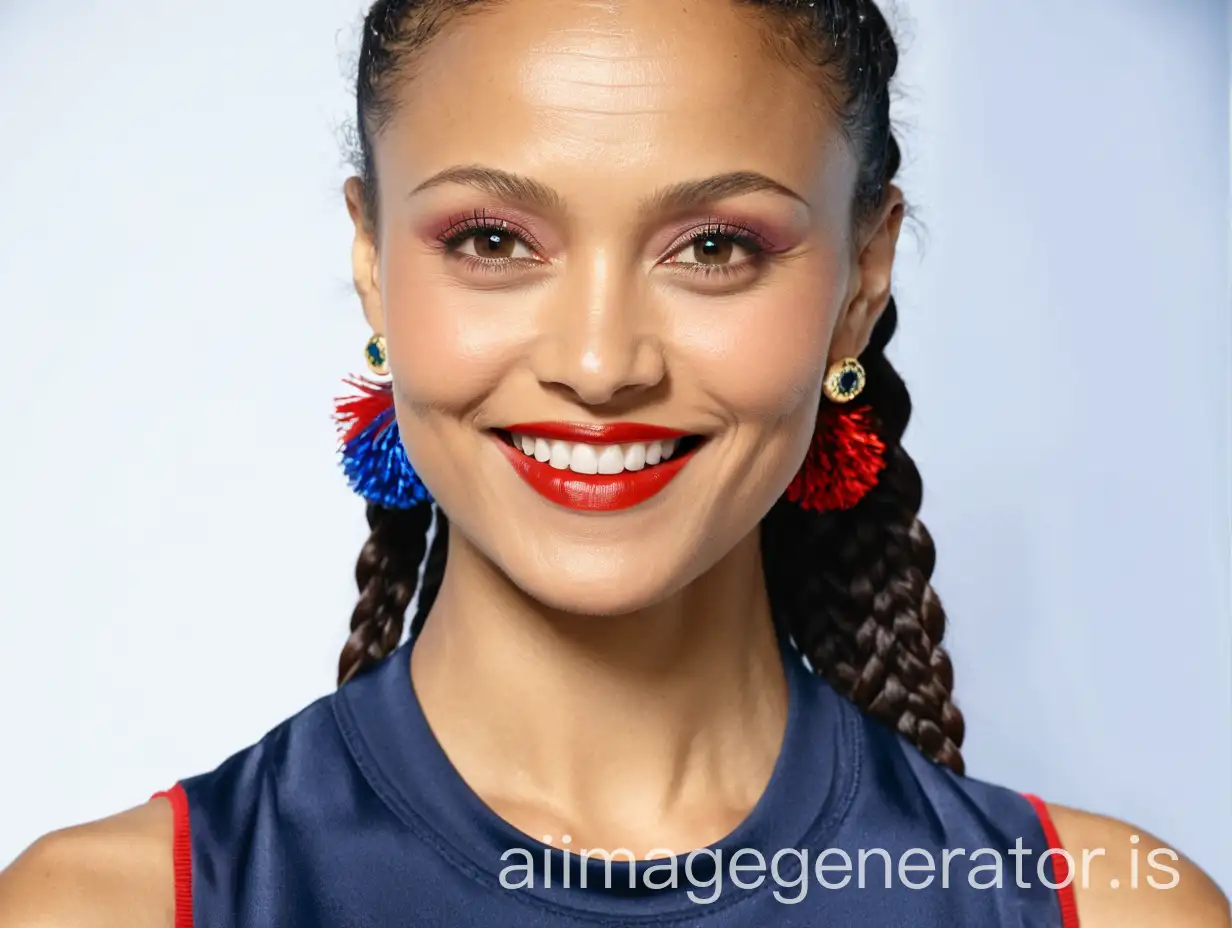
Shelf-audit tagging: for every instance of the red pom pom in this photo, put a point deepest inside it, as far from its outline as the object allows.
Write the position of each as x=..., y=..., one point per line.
x=843, y=463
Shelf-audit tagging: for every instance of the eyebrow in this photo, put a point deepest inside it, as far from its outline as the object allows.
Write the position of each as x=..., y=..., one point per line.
x=690, y=193
x=674, y=198
x=498, y=183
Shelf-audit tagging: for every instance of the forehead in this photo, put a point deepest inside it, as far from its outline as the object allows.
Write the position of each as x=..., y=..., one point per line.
x=644, y=91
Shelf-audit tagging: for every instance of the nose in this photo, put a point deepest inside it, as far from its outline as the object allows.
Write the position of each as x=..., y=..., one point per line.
x=598, y=336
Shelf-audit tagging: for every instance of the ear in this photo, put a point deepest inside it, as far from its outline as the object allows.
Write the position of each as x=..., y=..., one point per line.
x=365, y=268
x=869, y=292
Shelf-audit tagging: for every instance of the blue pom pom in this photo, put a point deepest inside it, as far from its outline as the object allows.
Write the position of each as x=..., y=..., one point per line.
x=373, y=458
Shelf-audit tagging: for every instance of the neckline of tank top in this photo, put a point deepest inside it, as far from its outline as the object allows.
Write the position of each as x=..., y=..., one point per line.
x=810, y=791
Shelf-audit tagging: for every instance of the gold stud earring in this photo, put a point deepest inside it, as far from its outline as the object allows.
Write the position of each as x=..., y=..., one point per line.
x=376, y=355
x=844, y=381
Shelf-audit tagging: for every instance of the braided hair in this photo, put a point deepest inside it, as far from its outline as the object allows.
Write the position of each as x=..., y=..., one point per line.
x=852, y=586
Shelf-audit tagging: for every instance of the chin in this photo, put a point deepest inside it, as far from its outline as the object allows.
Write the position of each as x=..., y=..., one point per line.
x=600, y=580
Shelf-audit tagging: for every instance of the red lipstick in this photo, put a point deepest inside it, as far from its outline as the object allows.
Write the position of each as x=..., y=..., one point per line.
x=595, y=492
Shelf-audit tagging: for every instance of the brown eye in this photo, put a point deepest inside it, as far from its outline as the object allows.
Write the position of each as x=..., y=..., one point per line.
x=493, y=244
x=713, y=249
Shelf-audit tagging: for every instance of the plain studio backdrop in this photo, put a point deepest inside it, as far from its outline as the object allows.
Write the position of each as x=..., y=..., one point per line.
x=176, y=542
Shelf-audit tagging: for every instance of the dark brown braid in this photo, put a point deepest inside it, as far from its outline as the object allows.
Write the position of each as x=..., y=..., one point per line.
x=387, y=574
x=853, y=587
x=433, y=572
x=388, y=568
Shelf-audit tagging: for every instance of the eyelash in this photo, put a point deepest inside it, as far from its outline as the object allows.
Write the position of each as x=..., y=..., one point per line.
x=467, y=227
x=738, y=235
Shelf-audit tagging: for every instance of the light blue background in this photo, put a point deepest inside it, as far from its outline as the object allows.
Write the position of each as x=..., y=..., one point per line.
x=175, y=311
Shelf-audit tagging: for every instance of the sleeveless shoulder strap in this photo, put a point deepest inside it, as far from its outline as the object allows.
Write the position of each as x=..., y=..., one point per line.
x=181, y=852
x=1058, y=859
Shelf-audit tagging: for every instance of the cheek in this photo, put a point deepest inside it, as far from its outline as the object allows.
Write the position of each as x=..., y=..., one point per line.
x=763, y=358
x=448, y=347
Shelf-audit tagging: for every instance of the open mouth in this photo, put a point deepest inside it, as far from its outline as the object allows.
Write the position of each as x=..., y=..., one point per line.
x=598, y=476
x=586, y=459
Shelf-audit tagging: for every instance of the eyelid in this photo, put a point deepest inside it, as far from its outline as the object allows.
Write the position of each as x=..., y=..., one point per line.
x=459, y=227
x=735, y=231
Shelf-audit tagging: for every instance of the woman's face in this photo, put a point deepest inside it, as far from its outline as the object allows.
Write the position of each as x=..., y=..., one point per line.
x=600, y=215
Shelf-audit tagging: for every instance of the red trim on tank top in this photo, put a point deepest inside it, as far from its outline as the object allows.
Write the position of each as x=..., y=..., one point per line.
x=181, y=854
x=1060, y=864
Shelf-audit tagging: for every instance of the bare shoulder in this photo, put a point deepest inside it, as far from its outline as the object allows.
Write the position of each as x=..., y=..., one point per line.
x=1127, y=878
x=113, y=873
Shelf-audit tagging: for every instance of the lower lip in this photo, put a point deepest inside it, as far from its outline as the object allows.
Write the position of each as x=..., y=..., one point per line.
x=593, y=492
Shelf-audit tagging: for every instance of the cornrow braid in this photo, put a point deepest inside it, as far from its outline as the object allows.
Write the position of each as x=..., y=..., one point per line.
x=853, y=587
x=393, y=31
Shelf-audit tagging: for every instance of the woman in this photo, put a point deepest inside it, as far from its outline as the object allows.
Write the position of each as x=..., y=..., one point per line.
x=628, y=268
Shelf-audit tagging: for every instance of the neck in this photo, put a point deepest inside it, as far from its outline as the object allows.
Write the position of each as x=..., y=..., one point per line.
x=656, y=729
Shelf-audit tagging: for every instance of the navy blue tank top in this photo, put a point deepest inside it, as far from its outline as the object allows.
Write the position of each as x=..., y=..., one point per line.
x=350, y=815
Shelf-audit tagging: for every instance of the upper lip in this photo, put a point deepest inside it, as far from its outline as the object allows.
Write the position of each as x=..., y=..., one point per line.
x=608, y=433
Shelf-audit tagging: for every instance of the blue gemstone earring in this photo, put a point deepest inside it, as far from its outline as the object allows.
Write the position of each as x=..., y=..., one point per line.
x=844, y=381
x=373, y=458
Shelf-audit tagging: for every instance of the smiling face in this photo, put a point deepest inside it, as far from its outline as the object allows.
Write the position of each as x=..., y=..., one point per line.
x=626, y=215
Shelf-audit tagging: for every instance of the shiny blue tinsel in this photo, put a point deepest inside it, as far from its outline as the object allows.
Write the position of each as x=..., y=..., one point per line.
x=377, y=468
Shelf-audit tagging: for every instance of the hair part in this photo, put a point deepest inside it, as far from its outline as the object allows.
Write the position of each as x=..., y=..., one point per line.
x=852, y=587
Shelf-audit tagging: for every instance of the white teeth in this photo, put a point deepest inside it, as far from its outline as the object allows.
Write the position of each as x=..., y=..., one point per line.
x=562, y=453
x=635, y=457
x=582, y=458
x=611, y=460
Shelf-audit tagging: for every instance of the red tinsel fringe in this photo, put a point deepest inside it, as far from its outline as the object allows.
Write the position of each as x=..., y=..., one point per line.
x=355, y=413
x=843, y=463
